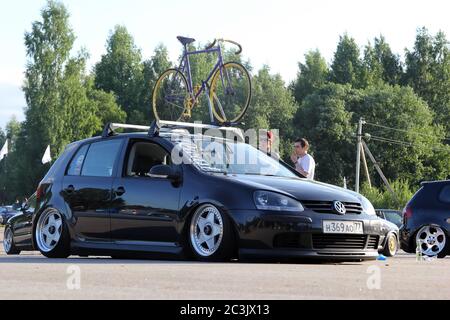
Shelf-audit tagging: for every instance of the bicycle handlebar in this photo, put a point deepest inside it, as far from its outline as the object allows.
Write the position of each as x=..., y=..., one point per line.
x=224, y=40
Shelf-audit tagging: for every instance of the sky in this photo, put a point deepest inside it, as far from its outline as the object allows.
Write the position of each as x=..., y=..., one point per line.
x=277, y=33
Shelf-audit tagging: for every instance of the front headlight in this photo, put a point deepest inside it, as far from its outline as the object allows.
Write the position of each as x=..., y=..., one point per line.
x=266, y=200
x=367, y=206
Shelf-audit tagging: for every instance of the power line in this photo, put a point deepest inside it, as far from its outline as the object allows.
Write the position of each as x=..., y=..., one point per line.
x=402, y=130
x=403, y=143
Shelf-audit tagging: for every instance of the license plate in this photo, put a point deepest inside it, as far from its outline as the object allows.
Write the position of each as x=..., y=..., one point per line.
x=344, y=227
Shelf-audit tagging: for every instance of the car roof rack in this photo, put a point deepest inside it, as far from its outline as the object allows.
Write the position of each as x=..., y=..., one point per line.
x=166, y=126
x=110, y=128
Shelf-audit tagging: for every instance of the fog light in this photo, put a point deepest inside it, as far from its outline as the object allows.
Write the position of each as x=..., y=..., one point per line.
x=448, y=220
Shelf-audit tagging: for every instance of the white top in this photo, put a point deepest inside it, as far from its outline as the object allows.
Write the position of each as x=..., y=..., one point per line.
x=308, y=164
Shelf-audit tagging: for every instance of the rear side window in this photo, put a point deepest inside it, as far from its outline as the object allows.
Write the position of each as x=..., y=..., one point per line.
x=100, y=159
x=444, y=196
x=77, y=162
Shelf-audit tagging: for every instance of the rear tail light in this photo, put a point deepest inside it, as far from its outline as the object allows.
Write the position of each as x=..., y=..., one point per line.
x=39, y=193
x=407, y=213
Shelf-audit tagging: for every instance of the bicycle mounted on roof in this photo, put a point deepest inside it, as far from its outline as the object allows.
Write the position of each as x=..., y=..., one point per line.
x=228, y=88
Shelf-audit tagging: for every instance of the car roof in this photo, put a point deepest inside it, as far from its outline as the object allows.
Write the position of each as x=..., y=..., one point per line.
x=139, y=135
x=435, y=182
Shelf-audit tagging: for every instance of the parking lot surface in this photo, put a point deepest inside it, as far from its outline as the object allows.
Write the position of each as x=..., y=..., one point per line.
x=32, y=276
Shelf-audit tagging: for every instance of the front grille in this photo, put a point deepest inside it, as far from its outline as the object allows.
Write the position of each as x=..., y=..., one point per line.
x=344, y=241
x=372, y=243
x=327, y=206
x=290, y=240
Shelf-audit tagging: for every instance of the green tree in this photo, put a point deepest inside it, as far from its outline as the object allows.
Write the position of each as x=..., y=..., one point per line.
x=2, y=171
x=120, y=71
x=103, y=105
x=311, y=76
x=12, y=132
x=326, y=123
x=152, y=69
x=2, y=137
x=347, y=66
x=272, y=107
x=380, y=64
x=392, y=69
x=48, y=47
x=428, y=72
x=8, y=186
x=413, y=151
x=62, y=103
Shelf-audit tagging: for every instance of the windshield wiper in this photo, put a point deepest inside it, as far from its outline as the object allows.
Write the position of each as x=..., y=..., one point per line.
x=258, y=174
x=214, y=171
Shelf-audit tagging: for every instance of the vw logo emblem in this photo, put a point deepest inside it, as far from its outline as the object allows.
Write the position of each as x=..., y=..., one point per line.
x=339, y=207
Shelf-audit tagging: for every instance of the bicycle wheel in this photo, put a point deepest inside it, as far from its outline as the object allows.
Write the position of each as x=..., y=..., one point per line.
x=231, y=91
x=170, y=96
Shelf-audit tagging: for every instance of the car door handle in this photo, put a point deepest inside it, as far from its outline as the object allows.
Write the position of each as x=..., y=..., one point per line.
x=120, y=191
x=70, y=189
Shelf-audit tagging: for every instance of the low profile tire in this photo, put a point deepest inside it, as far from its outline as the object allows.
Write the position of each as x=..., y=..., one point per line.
x=210, y=235
x=434, y=241
x=51, y=235
x=391, y=246
x=8, y=243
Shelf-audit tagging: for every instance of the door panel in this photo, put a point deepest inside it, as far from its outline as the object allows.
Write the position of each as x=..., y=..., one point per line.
x=144, y=209
x=89, y=199
x=147, y=211
x=87, y=189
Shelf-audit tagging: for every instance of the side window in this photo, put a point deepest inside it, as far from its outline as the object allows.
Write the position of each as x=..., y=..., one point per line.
x=100, y=159
x=444, y=196
x=143, y=156
x=77, y=162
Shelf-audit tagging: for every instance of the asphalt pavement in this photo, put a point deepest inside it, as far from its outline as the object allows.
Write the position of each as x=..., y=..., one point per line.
x=32, y=276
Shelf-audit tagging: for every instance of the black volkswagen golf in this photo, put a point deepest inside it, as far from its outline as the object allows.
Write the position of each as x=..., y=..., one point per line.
x=426, y=220
x=173, y=192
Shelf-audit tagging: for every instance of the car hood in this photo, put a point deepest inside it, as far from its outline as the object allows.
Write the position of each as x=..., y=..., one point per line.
x=389, y=225
x=300, y=189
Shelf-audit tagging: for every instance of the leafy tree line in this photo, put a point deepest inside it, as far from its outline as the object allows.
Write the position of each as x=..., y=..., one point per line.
x=410, y=97
x=66, y=102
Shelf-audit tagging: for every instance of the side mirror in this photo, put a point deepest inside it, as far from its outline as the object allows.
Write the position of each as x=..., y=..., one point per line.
x=164, y=172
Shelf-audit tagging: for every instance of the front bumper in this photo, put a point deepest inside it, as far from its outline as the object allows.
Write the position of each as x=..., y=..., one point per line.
x=271, y=234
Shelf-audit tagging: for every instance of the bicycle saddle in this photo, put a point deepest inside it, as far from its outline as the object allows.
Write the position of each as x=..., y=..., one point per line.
x=185, y=41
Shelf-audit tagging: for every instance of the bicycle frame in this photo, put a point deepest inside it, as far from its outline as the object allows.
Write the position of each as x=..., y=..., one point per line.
x=185, y=68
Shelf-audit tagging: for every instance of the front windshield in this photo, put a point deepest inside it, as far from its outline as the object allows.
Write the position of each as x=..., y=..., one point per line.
x=224, y=156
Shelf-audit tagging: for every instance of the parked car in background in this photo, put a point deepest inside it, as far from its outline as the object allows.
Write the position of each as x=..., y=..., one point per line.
x=18, y=230
x=394, y=216
x=124, y=193
x=390, y=244
x=426, y=220
x=6, y=213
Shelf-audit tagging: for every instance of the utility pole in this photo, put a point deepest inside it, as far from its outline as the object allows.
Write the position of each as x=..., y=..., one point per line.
x=380, y=172
x=358, y=153
x=366, y=168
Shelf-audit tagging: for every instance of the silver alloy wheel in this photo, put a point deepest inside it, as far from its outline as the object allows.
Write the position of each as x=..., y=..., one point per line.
x=48, y=230
x=8, y=241
x=432, y=240
x=206, y=230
